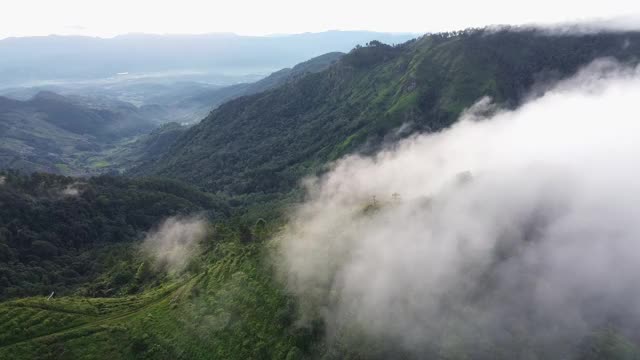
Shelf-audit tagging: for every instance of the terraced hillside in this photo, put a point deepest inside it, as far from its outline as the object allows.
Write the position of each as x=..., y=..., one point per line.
x=230, y=309
x=228, y=306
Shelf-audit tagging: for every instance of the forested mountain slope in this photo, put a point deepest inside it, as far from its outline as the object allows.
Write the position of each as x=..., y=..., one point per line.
x=58, y=233
x=132, y=152
x=231, y=309
x=266, y=142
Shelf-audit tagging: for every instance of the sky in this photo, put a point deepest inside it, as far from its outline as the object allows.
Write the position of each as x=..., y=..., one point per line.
x=249, y=17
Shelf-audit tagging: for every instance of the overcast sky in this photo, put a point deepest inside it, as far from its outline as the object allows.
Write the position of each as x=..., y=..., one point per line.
x=260, y=17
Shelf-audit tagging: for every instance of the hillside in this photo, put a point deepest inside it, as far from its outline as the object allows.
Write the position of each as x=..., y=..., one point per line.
x=231, y=309
x=85, y=117
x=266, y=142
x=206, y=100
x=61, y=233
x=58, y=134
x=76, y=282
x=145, y=148
x=228, y=305
x=80, y=135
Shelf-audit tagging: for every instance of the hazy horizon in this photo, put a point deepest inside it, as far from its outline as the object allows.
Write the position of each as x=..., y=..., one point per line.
x=101, y=19
x=216, y=33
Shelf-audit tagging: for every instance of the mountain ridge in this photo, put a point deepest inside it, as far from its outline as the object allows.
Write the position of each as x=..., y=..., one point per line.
x=265, y=143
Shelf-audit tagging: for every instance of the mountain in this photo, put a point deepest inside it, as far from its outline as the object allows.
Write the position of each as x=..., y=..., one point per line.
x=207, y=100
x=264, y=143
x=55, y=133
x=101, y=120
x=81, y=134
x=150, y=147
x=33, y=60
x=60, y=233
x=281, y=77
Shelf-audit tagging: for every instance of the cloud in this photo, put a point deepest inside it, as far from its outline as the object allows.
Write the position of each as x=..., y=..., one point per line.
x=72, y=190
x=519, y=226
x=591, y=25
x=175, y=241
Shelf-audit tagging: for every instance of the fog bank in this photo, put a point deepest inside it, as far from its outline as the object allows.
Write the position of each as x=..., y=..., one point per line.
x=520, y=225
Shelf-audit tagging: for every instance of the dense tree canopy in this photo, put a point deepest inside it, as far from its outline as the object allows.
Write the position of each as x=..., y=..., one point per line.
x=57, y=232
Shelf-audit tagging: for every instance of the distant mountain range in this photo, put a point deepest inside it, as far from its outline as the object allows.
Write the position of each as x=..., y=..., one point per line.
x=34, y=60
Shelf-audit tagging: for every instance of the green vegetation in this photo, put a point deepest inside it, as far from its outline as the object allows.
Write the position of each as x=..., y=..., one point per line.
x=80, y=237
x=207, y=100
x=227, y=307
x=144, y=148
x=77, y=135
x=62, y=234
x=264, y=143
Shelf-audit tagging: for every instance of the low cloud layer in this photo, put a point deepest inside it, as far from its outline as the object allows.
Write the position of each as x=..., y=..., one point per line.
x=175, y=241
x=592, y=25
x=522, y=226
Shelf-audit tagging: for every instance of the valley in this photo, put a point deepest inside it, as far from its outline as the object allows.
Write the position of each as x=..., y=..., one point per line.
x=118, y=126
